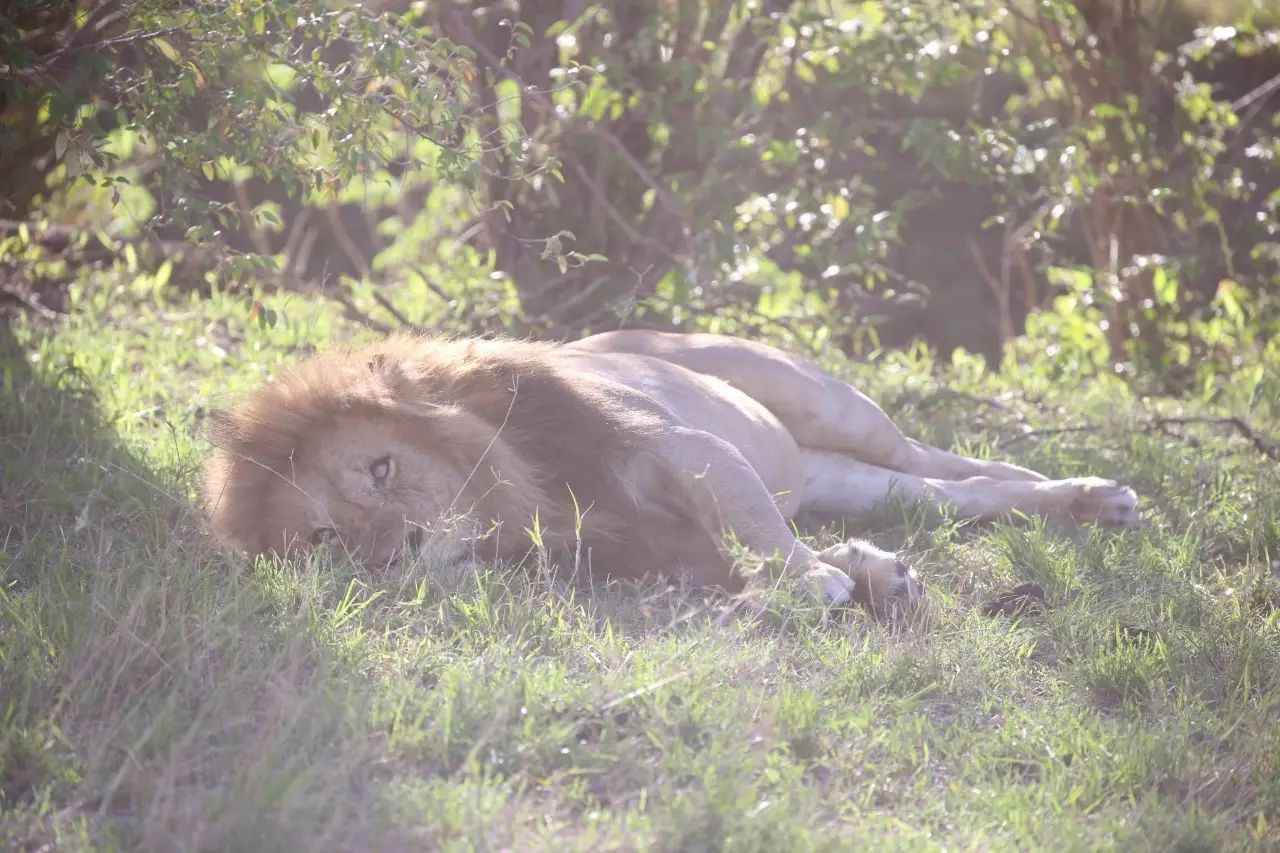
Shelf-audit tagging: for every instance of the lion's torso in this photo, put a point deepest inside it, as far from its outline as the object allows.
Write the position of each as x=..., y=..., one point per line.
x=704, y=403
x=566, y=438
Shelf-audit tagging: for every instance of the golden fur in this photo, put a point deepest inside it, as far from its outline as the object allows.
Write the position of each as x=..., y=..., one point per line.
x=498, y=408
x=644, y=451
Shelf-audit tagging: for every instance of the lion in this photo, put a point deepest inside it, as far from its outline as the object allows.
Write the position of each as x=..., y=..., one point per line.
x=635, y=453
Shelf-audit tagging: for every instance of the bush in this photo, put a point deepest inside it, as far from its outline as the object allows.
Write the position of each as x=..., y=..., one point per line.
x=861, y=174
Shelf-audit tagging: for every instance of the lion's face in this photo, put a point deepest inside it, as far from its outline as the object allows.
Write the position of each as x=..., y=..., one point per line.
x=396, y=446
x=368, y=486
x=364, y=484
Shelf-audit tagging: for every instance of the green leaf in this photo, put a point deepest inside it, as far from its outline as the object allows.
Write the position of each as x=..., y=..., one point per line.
x=163, y=273
x=166, y=47
x=1165, y=287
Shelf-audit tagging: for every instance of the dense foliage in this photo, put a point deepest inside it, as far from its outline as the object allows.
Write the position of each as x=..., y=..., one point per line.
x=193, y=194
x=867, y=170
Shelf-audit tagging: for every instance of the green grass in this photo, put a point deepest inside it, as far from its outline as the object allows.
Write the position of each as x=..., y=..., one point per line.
x=158, y=692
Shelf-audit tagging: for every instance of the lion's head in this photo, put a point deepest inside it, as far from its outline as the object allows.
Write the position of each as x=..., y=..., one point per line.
x=381, y=449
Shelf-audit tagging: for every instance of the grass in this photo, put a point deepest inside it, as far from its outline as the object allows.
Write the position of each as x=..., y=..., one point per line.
x=158, y=692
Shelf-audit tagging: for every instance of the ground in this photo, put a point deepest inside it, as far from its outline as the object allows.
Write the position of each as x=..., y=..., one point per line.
x=159, y=692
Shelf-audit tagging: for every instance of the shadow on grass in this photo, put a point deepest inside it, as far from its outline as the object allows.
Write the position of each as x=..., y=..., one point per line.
x=59, y=463
x=154, y=693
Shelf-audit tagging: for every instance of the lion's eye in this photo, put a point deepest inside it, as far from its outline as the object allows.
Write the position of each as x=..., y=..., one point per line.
x=381, y=470
x=323, y=535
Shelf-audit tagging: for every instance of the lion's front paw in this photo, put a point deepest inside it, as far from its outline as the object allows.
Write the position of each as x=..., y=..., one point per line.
x=881, y=581
x=1093, y=500
x=834, y=586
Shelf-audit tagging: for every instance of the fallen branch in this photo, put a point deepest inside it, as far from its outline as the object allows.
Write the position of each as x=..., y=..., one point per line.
x=1263, y=445
x=1038, y=433
x=937, y=395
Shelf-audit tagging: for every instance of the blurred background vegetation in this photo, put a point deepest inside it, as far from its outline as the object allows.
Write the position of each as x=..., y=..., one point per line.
x=1082, y=193
x=1089, y=185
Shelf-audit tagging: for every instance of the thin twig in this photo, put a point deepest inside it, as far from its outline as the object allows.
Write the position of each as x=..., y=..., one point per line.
x=630, y=159
x=1038, y=433
x=644, y=691
x=1263, y=445
x=586, y=293
x=433, y=287
x=50, y=63
x=56, y=238
x=245, y=208
x=30, y=305
x=616, y=215
x=544, y=103
x=999, y=287
x=345, y=242
x=1258, y=93
x=937, y=395
x=395, y=312
x=353, y=313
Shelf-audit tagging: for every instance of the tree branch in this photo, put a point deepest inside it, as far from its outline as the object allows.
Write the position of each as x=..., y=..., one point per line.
x=60, y=238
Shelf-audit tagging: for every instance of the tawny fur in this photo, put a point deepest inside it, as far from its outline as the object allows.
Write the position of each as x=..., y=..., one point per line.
x=649, y=452
x=498, y=404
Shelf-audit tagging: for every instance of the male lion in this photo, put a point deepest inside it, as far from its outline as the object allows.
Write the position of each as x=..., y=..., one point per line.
x=639, y=452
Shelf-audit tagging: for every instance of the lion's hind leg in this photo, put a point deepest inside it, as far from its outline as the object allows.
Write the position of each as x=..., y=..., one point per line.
x=819, y=410
x=826, y=413
x=838, y=485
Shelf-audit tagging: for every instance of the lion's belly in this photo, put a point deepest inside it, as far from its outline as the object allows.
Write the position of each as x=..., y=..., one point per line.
x=711, y=405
